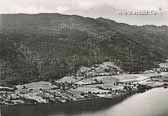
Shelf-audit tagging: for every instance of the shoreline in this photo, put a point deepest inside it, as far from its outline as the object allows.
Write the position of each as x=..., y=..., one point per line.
x=84, y=104
x=90, y=104
x=122, y=95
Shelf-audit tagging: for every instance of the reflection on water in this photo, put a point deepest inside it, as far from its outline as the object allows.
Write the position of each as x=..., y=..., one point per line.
x=151, y=103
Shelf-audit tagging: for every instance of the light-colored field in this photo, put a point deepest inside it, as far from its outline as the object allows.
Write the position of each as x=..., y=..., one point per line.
x=164, y=74
x=37, y=85
x=69, y=79
x=136, y=77
x=107, y=79
x=104, y=79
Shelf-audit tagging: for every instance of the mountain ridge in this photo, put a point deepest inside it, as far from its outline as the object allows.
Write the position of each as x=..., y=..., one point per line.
x=50, y=46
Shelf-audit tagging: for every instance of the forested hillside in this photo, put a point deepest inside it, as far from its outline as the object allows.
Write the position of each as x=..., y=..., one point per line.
x=50, y=46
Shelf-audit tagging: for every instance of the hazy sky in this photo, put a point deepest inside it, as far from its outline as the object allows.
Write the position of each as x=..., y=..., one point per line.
x=92, y=8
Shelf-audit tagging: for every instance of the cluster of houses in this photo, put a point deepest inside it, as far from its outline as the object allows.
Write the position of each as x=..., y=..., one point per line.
x=46, y=92
x=63, y=91
x=120, y=89
x=36, y=92
x=105, y=69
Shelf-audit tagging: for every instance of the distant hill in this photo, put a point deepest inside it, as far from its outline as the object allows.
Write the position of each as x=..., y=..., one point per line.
x=50, y=46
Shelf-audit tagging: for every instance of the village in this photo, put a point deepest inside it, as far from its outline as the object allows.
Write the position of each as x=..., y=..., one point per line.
x=104, y=80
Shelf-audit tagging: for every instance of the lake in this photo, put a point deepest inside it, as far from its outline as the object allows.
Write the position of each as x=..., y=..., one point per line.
x=151, y=103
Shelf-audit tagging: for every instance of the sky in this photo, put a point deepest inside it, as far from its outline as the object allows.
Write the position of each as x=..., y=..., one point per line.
x=93, y=8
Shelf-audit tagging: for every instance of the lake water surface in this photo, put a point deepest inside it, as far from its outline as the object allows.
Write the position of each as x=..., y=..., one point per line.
x=150, y=103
